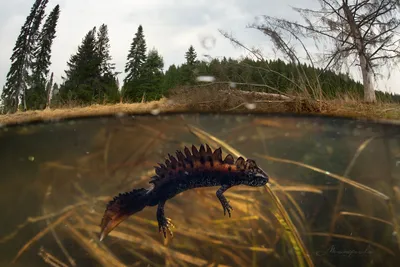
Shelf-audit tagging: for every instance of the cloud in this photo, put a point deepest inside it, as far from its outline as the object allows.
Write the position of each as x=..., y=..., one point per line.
x=170, y=26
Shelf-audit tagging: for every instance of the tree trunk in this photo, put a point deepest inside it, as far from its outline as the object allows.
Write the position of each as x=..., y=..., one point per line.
x=49, y=88
x=369, y=92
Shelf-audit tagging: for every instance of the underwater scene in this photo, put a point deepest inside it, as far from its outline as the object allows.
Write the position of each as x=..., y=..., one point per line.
x=332, y=197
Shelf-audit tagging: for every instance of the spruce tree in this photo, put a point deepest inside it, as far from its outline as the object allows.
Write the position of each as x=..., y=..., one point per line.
x=83, y=76
x=135, y=60
x=103, y=48
x=152, y=75
x=18, y=75
x=190, y=56
x=33, y=40
x=36, y=95
x=171, y=79
x=136, y=56
x=188, y=69
x=109, y=87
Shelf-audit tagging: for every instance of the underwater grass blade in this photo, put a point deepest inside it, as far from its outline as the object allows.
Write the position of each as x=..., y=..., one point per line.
x=291, y=231
x=346, y=180
x=336, y=176
x=341, y=187
x=103, y=258
x=50, y=259
x=347, y=213
x=106, y=152
x=154, y=245
x=282, y=216
x=55, y=235
x=41, y=234
x=31, y=220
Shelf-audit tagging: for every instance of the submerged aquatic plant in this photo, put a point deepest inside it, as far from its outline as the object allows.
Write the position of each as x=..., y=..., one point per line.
x=287, y=223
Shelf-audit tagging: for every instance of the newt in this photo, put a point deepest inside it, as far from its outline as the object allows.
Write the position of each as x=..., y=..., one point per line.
x=189, y=169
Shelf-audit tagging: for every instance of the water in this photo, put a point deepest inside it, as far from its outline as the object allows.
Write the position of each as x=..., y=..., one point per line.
x=62, y=174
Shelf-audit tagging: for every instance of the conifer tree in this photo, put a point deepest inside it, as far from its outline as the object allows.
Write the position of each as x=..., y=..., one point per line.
x=135, y=60
x=33, y=40
x=191, y=56
x=82, y=78
x=136, y=56
x=152, y=75
x=171, y=79
x=103, y=48
x=18, y=75
x=36, y=95
x=109, y=87
x=188, y=69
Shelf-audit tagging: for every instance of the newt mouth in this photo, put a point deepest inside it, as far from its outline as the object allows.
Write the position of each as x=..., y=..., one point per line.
x=109, y=223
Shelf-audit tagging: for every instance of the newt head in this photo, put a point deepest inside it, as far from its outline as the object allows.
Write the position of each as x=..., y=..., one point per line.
x=253, y=175
x=110, y=221
x=120, y=208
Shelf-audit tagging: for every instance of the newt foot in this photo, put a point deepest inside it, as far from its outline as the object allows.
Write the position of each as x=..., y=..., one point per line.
x=164, y=225
x=227, y=208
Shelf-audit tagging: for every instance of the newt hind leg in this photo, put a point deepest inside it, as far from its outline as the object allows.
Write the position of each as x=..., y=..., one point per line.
x=164, y=224
x=223, y=200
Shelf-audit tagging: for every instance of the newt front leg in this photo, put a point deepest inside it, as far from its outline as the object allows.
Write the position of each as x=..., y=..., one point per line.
x=223, y=200
x=164, y=223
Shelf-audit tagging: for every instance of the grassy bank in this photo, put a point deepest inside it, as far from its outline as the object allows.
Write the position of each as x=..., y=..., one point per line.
x=211, y=100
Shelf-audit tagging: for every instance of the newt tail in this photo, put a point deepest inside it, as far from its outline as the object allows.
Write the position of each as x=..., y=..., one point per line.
x=188, y=170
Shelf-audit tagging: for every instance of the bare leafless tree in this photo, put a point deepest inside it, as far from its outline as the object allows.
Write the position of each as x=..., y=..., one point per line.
x=359, y=33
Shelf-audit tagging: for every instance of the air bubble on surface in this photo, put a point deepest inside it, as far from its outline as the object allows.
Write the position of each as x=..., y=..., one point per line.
x=205, y=78
x=208, y=42
x=119, y=114
x=155, y=111
x=232, y=85
x=250, y=105
x=31, y=158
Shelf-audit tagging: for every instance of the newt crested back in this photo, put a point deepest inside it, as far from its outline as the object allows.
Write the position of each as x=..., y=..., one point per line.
x=201, y=168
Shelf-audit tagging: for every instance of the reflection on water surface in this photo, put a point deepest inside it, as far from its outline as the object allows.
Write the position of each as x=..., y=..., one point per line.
x=337, y=180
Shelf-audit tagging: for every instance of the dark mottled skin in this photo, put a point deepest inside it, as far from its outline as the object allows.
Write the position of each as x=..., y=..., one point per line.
x=188, y=170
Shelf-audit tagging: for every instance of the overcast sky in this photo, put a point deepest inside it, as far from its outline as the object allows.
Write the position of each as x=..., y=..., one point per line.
x=169, y=26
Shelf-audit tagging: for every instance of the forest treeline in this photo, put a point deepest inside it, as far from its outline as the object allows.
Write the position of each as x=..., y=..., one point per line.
x=91, y=76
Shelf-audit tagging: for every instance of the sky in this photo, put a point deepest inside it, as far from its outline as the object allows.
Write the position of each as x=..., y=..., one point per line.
x=170, y=26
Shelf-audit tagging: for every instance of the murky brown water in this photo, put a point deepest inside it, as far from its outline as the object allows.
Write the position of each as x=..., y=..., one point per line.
x=61, y=175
